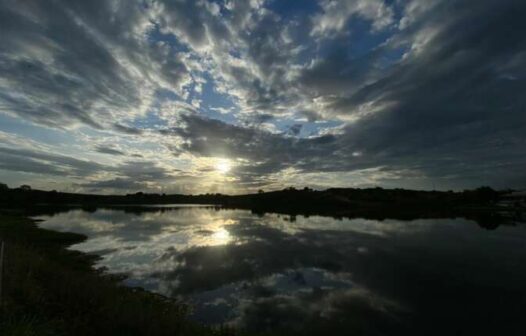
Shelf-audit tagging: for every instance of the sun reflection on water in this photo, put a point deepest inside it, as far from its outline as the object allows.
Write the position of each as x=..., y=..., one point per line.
x=220, y=237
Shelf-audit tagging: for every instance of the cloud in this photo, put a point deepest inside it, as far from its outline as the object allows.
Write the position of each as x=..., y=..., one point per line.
x=108, y=150
x=144, y=171
x=423, y=90
x=39, y=162
x=75, y=62
x=127, y=129
x=116, y=183
x=448, y=107
x=264, y=152
x=335, y=15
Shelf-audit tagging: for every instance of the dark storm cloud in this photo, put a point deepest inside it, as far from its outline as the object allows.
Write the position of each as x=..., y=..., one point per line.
x=295, y=129
x=438, y=95
x=67, y=62
x=452, y=109
x=50, y=58
x=144, y=171
x=117, y=183
x=27, y=165
x=456, y=107
x=340, y=74
x=133, y=176
x=130, y=175
x=194, y=22
x=267, y=152
x=108, y=150
x=127, y=130
x=32, y=161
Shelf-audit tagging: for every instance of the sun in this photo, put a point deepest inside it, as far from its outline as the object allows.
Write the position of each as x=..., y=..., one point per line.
x=220, y=237
x=223, y=166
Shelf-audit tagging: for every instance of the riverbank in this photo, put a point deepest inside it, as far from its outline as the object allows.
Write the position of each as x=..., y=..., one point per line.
x=50, y=290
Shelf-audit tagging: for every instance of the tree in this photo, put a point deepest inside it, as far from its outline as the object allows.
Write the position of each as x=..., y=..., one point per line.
x=3, y=186
x=25, y=187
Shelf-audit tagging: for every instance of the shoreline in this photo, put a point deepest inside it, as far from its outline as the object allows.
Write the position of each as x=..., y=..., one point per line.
x=51, y=290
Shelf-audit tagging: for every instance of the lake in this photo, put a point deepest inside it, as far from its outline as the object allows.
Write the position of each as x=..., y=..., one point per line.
x=315, y=275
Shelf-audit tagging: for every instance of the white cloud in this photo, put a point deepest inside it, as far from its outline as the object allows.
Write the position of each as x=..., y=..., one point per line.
x=336, y=14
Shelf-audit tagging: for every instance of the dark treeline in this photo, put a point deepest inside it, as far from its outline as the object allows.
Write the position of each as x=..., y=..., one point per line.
x=334, y=197
x=290, y=200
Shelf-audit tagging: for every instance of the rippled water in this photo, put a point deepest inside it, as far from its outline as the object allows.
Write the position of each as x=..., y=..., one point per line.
x=318, y=274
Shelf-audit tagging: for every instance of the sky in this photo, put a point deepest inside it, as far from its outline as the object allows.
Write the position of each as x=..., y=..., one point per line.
x=233, y=96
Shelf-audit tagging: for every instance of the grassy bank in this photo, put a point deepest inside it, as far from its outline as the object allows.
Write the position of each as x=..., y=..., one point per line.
x=49, y=290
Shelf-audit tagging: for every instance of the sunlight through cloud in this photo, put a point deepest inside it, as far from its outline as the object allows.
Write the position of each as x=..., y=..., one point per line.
x=223, y=166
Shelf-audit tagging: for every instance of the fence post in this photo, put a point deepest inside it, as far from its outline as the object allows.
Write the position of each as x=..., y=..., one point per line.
x=2, y=245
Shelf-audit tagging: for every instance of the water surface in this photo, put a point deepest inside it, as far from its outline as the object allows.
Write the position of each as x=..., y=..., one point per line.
x=315, y=275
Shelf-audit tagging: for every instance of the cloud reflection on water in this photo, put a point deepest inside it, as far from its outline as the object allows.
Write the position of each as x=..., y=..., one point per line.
x=267, y=272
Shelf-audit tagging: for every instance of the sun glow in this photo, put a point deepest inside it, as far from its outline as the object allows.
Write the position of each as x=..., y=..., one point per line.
x=220, y=237
x=223, y=166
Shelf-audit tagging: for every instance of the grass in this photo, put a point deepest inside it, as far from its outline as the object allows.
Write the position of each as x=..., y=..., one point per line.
x=49, y=290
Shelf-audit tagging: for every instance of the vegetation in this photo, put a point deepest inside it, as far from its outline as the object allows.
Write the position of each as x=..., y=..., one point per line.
x=290, y=198
x=49, y=290
x=371, y=203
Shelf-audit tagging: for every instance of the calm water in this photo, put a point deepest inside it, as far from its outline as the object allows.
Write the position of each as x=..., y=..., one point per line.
x=316, y=275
